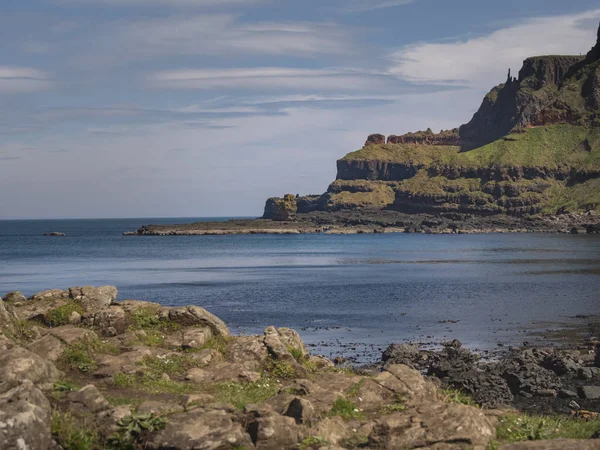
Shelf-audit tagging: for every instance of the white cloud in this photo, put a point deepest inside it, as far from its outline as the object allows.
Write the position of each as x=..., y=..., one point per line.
x=369, y=5
x=22, y=79
x=217, y=34
x=268, y=78
x=481, y=61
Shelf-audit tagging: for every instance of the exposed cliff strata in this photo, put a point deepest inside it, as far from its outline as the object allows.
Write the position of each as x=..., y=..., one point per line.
x=532, y=148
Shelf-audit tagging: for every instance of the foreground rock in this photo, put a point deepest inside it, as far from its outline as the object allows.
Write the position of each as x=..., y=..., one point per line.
x=534, y=379
x=136, y=374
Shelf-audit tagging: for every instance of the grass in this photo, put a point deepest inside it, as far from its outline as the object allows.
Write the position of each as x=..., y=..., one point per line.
x=148, y=318
x=71, y=434
x=23, y=330
x=133, y=430
x=355, y=389
x=62, y=388
x=154, y=326
x=171, y=365
x=580, y=197
x=279, y=369
x=547, y=146
x=242, y=394
x=345, y=409
x=313, y=441
x=60, y=316
x=151, y=384
x=516, y=428
x=80, y=354
x=457, y=396
x=397, y=406
x=214, y=343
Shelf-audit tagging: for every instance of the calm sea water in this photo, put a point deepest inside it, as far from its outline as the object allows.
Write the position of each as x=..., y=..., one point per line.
x=345, y=294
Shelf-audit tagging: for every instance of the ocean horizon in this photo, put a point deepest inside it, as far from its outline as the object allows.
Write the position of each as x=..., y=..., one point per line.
x=349, y=295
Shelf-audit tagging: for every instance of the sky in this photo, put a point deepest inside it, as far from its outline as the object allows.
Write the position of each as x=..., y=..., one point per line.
x=204, y=108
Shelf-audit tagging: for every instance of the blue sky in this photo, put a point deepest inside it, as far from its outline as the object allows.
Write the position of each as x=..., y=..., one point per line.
x=145, y=108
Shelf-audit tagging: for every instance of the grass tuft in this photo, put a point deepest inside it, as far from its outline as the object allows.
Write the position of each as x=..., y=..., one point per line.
x=151, y=384
x=242, y=394
x=516, y=428
x=345, y=409
x=60, y=316
x=71, y=434
x=80, y=354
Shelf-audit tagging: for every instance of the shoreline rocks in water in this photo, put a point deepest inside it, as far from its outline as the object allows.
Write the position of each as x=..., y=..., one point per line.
x=80, y=370
x=365, y=221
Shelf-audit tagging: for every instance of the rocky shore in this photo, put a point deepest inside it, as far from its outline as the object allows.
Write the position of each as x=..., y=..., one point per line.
x=367, y=221
x=79, y=370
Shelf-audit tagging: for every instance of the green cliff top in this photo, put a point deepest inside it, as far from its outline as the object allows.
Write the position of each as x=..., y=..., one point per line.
x=549, y=146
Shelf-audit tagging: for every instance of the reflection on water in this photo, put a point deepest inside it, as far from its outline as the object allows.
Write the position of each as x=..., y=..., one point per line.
x=359, y=289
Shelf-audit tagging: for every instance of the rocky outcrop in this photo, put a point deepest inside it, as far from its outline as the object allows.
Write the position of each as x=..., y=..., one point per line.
x=375, y=170
x=538, y=131
x=281, y=209
x=175, y=378
x=428, y=137
x=375, y=139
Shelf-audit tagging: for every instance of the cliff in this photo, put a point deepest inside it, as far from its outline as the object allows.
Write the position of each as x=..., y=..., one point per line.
x=532, y=148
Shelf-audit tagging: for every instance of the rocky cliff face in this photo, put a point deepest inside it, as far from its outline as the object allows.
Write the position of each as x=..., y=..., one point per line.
x=532, y=147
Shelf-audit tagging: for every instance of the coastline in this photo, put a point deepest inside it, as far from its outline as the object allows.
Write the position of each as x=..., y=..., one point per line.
x=365, y=221
x=136, y=374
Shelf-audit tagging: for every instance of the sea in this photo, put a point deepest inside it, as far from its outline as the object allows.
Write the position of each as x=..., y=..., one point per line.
x=347, y=295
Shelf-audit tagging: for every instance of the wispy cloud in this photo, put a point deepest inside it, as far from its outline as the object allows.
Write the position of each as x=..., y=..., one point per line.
x=480, y=61
x=222, y=35
x=269, y=78
x=22, y=79
x=369, y=5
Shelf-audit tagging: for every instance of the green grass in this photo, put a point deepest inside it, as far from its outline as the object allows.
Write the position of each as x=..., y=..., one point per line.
x=151, y=384
x=345, y=409
x=71, y=434
x=313, y=441
x=148, y=318
x=547, y=146
x=134, y=429
x=457, y=396
x=80, y=354
x=580, y=197
x=242, y=394
x=214, y=343
x=355, y=389
x=62, y=388
x=281, y=370
x=23, y=330
x=171, y=365
x=516, y=428
x=60, y=316
x=392, y=408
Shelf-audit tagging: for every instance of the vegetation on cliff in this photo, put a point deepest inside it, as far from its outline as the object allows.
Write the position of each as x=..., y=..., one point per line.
x=532, y=148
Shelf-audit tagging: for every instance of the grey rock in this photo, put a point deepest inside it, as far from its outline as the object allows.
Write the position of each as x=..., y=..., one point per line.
x=202, y=429
x=564, y=393
x=194, y=315
x=18, y=364
x=589, y=392
x=301, y=410
x=25, y=419
x=87, y=400
x=94, y=299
